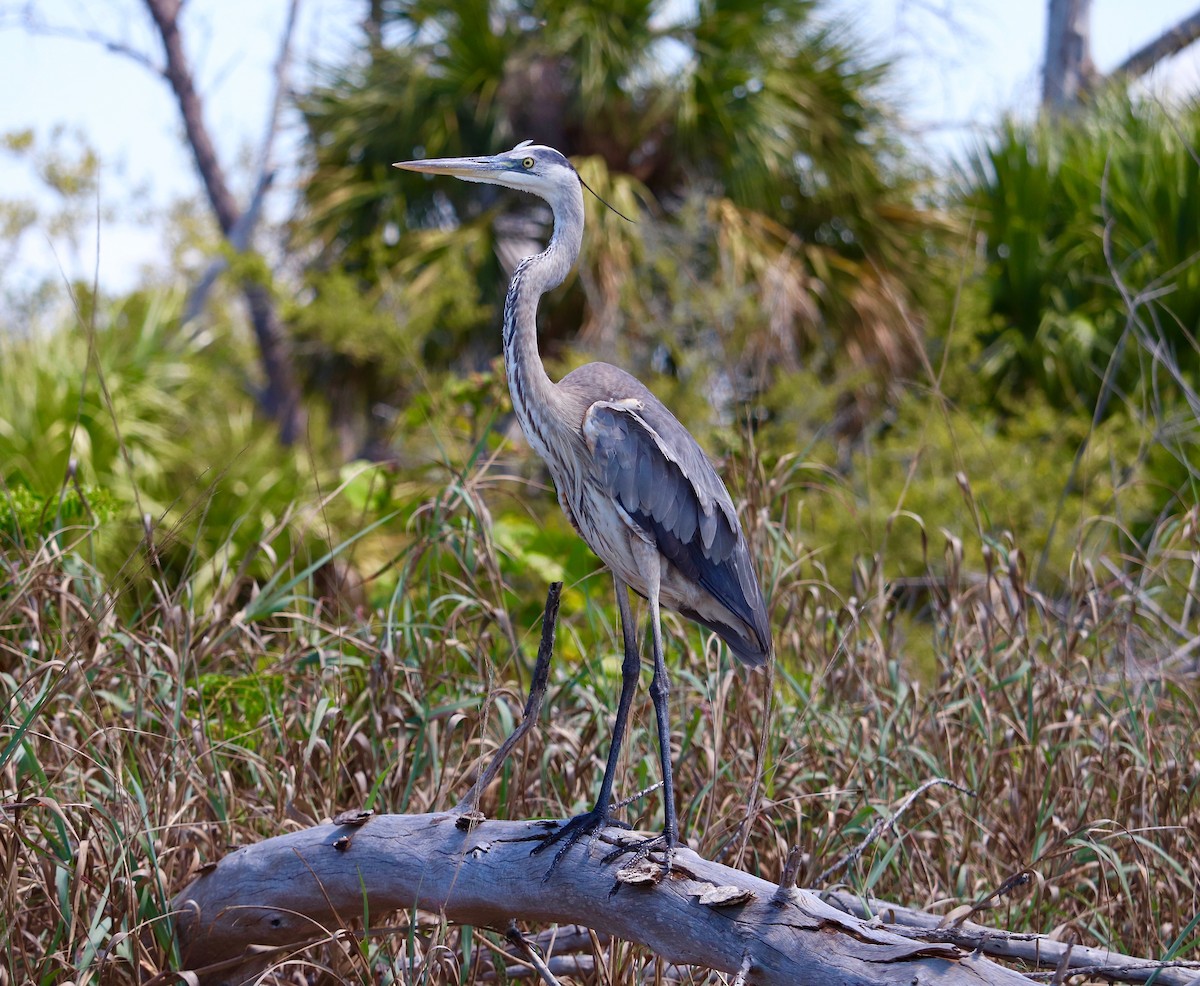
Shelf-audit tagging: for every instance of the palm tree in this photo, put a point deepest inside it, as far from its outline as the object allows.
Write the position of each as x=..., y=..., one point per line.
x=758, y=123
x=1091, y=227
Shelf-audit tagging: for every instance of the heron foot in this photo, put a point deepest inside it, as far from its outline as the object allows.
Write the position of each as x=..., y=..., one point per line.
x=643, y=848
x=571, y=831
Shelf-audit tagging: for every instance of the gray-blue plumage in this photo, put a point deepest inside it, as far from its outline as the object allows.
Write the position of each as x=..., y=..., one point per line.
x=630, y=477
x=666, y=484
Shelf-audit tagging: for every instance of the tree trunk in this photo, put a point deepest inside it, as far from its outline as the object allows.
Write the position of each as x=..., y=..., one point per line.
x=264, y=900
x=1068, y=68
x=373, y=24
x=280, y=397
x=1069, y=72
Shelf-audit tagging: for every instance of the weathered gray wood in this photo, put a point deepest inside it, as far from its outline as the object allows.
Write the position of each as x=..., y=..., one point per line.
x=1037, y=950
x=287, y=889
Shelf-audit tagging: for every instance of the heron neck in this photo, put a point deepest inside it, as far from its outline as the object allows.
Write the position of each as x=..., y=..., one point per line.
x=535, y=398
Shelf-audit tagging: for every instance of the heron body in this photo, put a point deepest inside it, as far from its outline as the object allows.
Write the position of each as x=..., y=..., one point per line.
x=631, y=479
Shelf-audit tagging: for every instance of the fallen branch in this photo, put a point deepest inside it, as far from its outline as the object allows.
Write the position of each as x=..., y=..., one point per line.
x=262, y=901
x=1037, y=950
x=306, y=886
x=297, y=887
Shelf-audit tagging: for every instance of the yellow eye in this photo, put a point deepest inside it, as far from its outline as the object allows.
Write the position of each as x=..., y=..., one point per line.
x=527, y=163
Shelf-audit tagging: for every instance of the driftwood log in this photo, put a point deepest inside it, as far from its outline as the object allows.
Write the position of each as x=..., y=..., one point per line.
x=304, y=885
x=1034, y=949
x=239, y=914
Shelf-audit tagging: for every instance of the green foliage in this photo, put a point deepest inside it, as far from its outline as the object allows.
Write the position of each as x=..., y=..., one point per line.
x=939, y=471
x=67, y=167
x=24, y=513
x=64, y=170
x=765, y=121
x=57, y=408
x=375, y=343
x=148, y=745
x=1092, y=229
x=985, y=576
x=154, y=429
x=233, y=706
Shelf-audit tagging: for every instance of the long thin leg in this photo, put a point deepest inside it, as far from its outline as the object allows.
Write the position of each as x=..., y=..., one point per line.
x=650, y=566
x=630, y=669
x=660, y=690
x=599, y=816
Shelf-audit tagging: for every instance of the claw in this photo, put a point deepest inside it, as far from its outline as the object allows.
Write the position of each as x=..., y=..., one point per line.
x=642, y=848
x=570, y=832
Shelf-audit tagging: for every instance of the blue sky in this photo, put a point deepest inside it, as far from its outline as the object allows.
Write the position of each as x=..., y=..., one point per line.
x=953, y=81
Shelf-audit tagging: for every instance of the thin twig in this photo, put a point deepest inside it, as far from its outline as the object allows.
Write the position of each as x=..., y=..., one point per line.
x=240, y=235
x=39, y=28
x=884, y=824
x=518, y=941
x=533, y=705
x=989, y=901
x=753, y=798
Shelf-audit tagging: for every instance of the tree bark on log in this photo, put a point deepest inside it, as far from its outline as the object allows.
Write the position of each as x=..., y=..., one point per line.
x=1037, y=950
x=297, y=887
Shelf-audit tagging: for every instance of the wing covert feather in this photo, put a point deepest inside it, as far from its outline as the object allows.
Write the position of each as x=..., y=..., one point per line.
x=671, y=491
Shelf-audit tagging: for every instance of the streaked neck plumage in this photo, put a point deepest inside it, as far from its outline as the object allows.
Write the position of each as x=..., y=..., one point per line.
x=535, y=398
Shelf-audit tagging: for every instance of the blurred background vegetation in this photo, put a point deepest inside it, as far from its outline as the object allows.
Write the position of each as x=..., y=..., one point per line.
x=914, y=381
x=794, y=278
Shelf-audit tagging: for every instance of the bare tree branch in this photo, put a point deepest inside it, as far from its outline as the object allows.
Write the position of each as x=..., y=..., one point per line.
x=283, y=63
x=297, y=888
x=1170, y=42
x=238, y=239
x=31, y=24
x=240, y=236
x=280, y=398
x=1037, y=950
x=1068, y=70
x=165, y=14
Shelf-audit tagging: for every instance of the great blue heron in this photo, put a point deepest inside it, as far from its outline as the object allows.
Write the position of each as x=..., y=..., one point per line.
x=635, y=485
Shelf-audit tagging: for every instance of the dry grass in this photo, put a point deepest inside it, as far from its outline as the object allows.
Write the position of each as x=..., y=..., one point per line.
x=136, y=748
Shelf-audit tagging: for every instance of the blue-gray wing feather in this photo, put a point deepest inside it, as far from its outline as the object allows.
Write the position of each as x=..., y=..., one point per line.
x=668, y=487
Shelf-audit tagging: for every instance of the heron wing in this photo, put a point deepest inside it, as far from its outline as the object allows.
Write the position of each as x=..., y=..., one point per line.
x=663, y=480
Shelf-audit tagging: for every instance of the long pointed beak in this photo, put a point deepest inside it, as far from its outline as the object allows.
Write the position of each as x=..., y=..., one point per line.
x=468, y=168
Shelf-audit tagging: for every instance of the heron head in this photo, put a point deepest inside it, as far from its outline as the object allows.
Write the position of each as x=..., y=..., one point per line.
x=528, y=167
